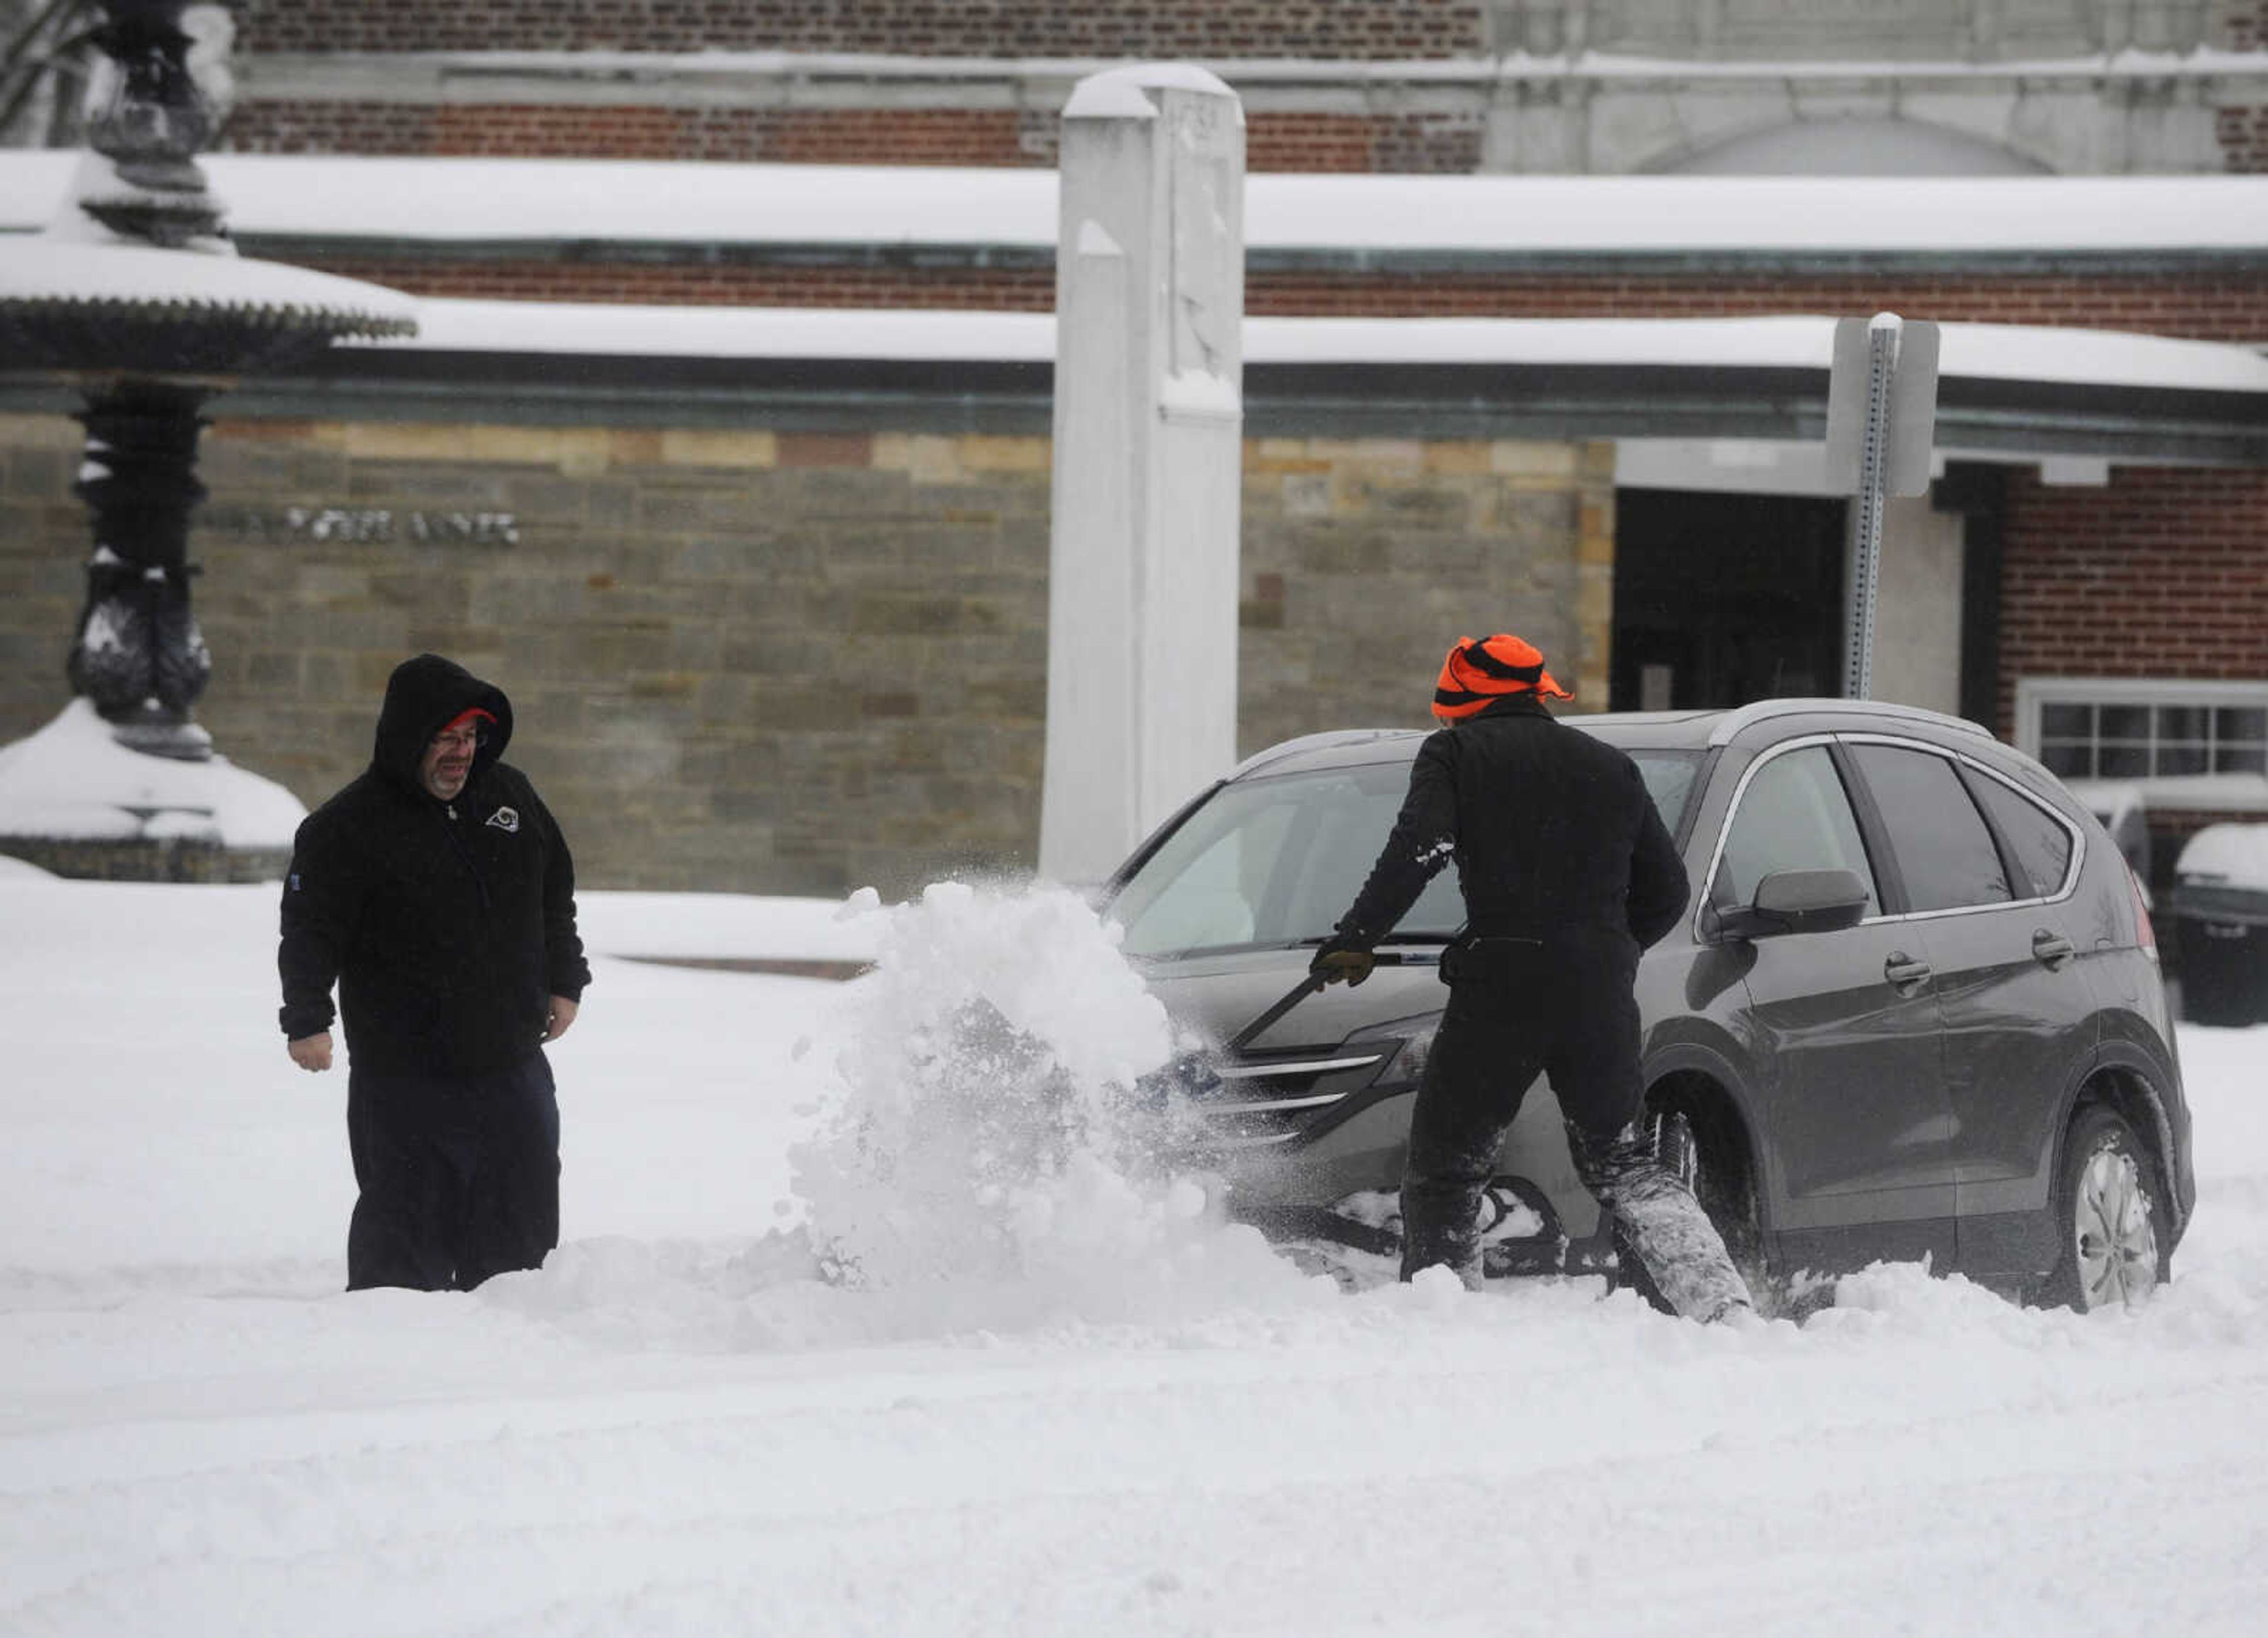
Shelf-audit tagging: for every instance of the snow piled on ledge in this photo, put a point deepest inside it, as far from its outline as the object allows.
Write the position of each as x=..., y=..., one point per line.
x=2013, y=352
x=72, y=782
x=492, y=200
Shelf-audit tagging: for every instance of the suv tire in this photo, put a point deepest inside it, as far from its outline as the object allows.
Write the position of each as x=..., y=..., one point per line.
x=2111, y=1218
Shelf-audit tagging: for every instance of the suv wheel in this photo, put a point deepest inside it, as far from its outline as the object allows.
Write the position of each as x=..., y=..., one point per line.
x=2110, y=1221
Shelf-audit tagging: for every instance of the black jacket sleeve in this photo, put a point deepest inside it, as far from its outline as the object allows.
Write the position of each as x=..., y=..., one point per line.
x=323, y=899
x=565, y=970
x=1423, y=840
x=1658, y=889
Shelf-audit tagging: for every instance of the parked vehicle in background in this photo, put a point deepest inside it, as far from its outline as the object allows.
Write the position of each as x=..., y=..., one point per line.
x=2220, y=909
x=1915, y=1011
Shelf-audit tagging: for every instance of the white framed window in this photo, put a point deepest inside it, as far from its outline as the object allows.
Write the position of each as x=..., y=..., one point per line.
x=2201, y=744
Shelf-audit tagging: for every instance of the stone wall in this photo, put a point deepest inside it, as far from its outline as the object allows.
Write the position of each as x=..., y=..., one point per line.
x=772, y=661
x=1364, y=561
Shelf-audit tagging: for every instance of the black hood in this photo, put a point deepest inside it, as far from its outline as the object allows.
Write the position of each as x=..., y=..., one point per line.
x=424, y=696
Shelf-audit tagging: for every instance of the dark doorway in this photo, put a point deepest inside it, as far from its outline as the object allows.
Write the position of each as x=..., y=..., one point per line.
x=1721, y=599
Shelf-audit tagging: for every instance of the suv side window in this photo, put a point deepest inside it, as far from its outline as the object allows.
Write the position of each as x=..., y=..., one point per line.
x=1793, y=816
x=1944, y=850
x=2040, y=841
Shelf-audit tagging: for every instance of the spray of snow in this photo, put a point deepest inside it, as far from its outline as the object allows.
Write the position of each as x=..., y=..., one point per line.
x=989, y=1146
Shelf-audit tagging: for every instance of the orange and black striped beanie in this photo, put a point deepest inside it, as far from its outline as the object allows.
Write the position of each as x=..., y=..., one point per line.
x=1477, y=675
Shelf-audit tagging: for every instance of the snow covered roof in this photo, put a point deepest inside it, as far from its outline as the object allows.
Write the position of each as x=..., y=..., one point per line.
x=1980, y=351
x=264, y=71
x=476, y=201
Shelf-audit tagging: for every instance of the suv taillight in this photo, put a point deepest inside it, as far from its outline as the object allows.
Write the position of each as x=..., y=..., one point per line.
x=2145, y=935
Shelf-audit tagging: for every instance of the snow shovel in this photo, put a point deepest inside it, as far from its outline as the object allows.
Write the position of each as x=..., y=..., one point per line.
x=1193, y=1072
x=1293, y=997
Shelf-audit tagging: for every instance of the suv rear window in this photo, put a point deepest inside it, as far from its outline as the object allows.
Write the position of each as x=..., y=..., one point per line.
x=1944, y=850
x=2040, y=841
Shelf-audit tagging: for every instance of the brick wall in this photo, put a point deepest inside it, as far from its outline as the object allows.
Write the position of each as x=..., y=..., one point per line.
x=767, y=661
x=1220, y=31
x=2243, y=135
x=2229, y=307
x=1404, y=144
x=1000, y=289
x=2163, y=573
x=943, y=136
x=286, y=125
x=1416, y=144
x=1043, y=28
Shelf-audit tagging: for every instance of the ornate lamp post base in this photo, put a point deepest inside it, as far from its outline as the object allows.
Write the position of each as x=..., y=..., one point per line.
x=135, y=296
x=139, y=655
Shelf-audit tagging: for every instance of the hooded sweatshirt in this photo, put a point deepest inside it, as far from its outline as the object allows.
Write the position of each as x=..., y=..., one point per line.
x=448, y=926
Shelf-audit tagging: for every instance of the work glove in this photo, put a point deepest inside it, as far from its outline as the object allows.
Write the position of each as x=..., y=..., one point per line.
x=1335, y=963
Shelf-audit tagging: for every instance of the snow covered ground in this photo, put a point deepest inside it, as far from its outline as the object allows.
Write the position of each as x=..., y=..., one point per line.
x=1062, y=1400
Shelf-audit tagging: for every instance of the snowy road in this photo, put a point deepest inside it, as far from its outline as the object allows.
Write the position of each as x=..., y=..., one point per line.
x=671, y=1429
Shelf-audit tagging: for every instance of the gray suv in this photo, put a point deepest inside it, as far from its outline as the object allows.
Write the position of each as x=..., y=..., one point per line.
x=1914, y=1011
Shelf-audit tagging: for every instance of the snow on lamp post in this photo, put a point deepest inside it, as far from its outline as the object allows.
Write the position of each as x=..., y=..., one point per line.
x=135, y=298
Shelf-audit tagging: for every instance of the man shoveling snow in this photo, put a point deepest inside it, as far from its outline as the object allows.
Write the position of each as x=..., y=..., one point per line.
x=1567, y=876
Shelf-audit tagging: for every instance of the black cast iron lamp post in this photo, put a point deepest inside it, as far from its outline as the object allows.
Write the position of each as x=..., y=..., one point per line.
x=135, y=299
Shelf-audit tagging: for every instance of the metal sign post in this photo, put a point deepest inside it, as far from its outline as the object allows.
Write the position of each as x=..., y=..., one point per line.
x=1881, y=411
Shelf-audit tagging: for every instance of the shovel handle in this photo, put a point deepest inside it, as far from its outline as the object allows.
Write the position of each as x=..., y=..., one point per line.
x=1292, y=998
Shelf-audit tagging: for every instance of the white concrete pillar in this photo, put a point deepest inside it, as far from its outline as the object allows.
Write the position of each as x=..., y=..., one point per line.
x=1148, y=454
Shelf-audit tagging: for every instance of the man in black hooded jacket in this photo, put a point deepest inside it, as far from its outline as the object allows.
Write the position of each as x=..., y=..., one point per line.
x=439, y=894
x=1568, y=874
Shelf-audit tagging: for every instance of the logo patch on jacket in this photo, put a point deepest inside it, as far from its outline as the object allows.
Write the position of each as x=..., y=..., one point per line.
x=506, y=820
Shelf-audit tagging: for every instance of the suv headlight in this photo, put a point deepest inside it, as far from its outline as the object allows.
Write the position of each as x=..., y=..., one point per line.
x=1411, y=1040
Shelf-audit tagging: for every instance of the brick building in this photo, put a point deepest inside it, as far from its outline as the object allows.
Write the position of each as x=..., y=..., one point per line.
x=774, y=587
x=1439, y=87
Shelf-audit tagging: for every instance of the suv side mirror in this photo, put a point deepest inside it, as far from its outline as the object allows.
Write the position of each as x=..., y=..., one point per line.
x=1798, y=901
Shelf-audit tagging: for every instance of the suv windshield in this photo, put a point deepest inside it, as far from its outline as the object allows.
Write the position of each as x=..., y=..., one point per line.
x=1268, y=863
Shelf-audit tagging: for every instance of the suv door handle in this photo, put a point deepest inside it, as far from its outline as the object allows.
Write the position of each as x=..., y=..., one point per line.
x=1904, y=973
x=2050, y=950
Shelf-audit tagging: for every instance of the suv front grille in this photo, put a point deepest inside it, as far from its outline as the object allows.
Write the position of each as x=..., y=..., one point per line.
x=1271, y=1098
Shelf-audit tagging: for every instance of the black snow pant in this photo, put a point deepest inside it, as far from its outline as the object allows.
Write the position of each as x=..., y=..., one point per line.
x=459, y=1177
x=1567, y=1009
